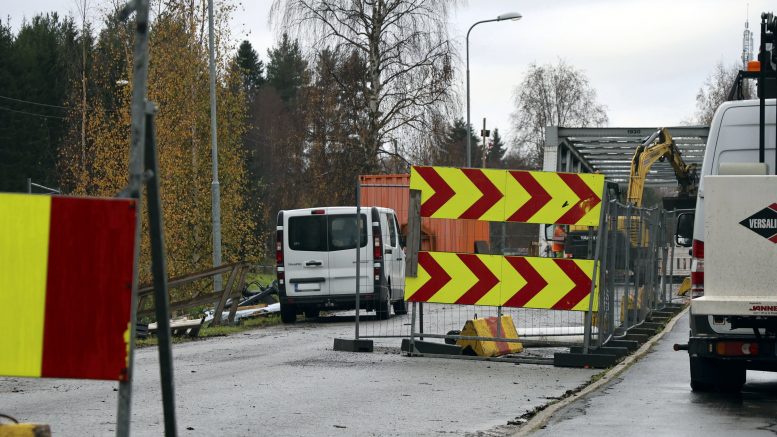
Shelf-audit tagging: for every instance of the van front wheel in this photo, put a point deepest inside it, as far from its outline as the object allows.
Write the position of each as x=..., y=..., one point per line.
x=288, y=313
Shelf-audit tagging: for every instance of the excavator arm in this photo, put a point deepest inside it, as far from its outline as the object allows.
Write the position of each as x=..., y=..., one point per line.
x=659, y=147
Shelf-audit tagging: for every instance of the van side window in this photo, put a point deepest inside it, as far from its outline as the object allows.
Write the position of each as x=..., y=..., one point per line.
x=392, y=230
x=342, y=232
x=308, y=233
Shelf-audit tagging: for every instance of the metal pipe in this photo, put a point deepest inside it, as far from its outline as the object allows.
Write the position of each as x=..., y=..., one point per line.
x=136, y=164
x=159, y=270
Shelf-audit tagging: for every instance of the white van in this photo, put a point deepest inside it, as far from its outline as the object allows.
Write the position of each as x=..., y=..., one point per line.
x=316, y=261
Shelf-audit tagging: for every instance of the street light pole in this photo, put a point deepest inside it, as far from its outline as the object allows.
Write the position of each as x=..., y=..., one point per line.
x=214, y=186
x=514, y=16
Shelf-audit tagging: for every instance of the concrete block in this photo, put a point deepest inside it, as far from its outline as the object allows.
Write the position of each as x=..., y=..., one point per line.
x=628, y=344
x=619, y=352
x=428, y=347
x=595, y=361
x=352, y=345
x=24, y=430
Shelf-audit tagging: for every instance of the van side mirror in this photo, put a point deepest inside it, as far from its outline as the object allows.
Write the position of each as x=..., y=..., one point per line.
x=684, y=232
x=402, y=241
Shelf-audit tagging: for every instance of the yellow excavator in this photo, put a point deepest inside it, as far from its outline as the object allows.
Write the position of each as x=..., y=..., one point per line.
x=660, y=147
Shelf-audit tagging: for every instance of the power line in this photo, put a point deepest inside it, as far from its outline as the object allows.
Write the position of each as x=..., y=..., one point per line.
x=35, y=103
x=30, y=113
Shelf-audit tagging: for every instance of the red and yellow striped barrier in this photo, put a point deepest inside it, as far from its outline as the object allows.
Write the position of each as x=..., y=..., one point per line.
x=65, y=286
x=487, y=327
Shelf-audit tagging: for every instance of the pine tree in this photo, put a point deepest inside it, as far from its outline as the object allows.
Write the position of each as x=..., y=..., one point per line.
x=287, y=70
x=496, y=151
x=453, y=148
x=251, y=68
x=37, y=77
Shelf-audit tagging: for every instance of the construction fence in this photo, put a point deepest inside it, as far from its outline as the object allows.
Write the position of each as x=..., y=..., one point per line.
x=631, y=253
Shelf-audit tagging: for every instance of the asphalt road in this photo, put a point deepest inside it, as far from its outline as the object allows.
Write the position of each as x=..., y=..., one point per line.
x=287, y=381
x=653, y=397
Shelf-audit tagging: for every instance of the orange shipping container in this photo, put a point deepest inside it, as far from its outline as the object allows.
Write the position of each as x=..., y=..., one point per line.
x=442, y=235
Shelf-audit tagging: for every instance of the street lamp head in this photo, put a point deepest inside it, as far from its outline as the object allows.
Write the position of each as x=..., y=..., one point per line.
x=515, y=16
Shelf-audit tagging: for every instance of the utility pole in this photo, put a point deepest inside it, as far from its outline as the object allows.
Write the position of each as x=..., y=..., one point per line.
x=214, y=186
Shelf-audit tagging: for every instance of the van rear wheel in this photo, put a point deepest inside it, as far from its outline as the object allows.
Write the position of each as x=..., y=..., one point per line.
x=288, y=313
x=400, y=307
x=383, y=308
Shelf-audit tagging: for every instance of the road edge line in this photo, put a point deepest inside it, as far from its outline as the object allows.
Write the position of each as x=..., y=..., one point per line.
x=543, y=417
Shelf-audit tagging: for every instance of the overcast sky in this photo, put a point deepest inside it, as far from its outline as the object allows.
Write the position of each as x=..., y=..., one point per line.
x=646, y=59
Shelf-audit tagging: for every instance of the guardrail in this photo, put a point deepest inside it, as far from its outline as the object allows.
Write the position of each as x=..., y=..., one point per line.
x=235, y=285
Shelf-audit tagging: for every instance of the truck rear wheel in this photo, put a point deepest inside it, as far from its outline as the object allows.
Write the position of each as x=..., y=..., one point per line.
x=708, y=374
x=703, y=375
x=288, y=313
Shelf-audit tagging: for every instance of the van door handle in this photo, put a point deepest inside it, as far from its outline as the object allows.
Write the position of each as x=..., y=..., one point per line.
x=388, y=251
x=313, y=263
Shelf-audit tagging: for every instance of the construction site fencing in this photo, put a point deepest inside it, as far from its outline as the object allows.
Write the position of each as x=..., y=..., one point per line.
x=636, y=275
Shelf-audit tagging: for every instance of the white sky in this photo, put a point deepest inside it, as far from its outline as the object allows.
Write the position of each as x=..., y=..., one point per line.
x=646, y=59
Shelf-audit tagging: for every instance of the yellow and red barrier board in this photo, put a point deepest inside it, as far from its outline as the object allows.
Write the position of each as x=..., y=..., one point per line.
x=509, y=281
x=65, y=286
x=509, y=195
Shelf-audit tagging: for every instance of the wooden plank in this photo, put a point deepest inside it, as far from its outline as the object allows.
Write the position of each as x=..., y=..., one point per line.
x=225, y=295
x=413, y=234
x=209, y=298
x=235, y=294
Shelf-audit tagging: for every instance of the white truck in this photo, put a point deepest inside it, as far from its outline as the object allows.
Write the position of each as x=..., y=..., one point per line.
x=733, y=315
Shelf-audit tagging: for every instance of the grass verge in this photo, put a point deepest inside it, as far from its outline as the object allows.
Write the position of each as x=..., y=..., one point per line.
x=217, y=331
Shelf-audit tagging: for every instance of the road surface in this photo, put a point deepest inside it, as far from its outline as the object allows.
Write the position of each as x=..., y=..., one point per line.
x=287, y=381
x=653, y=397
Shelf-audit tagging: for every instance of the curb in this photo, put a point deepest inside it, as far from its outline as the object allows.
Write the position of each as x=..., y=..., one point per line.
x=544, y=416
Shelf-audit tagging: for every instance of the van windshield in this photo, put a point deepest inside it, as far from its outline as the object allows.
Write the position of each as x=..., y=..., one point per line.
x=325, y=233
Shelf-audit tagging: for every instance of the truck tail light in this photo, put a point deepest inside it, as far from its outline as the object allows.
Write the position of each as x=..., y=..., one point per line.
x=697, y=267
x=736, y=348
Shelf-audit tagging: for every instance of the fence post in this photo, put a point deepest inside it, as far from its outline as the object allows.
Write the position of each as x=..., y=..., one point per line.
x=628, y=277
x=594, y=277
x=602, y=277
x=358, y=252
x=612, y=264
x=671, y=257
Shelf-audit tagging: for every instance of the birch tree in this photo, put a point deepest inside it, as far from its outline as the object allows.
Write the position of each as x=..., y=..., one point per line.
x=407, y=52
x=552, y=95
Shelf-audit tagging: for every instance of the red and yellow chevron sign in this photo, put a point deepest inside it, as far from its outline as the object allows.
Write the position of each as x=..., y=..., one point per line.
x=509, y=195
x=495, y=280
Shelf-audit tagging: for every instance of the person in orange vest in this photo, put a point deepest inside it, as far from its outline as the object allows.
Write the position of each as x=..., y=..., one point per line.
x=557, y=244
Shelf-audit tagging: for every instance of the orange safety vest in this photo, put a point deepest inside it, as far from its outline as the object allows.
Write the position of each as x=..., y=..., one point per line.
x=558, y=239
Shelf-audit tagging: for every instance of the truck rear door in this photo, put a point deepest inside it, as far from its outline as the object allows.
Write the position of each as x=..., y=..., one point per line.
x=342, y=254
x=307, y=259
